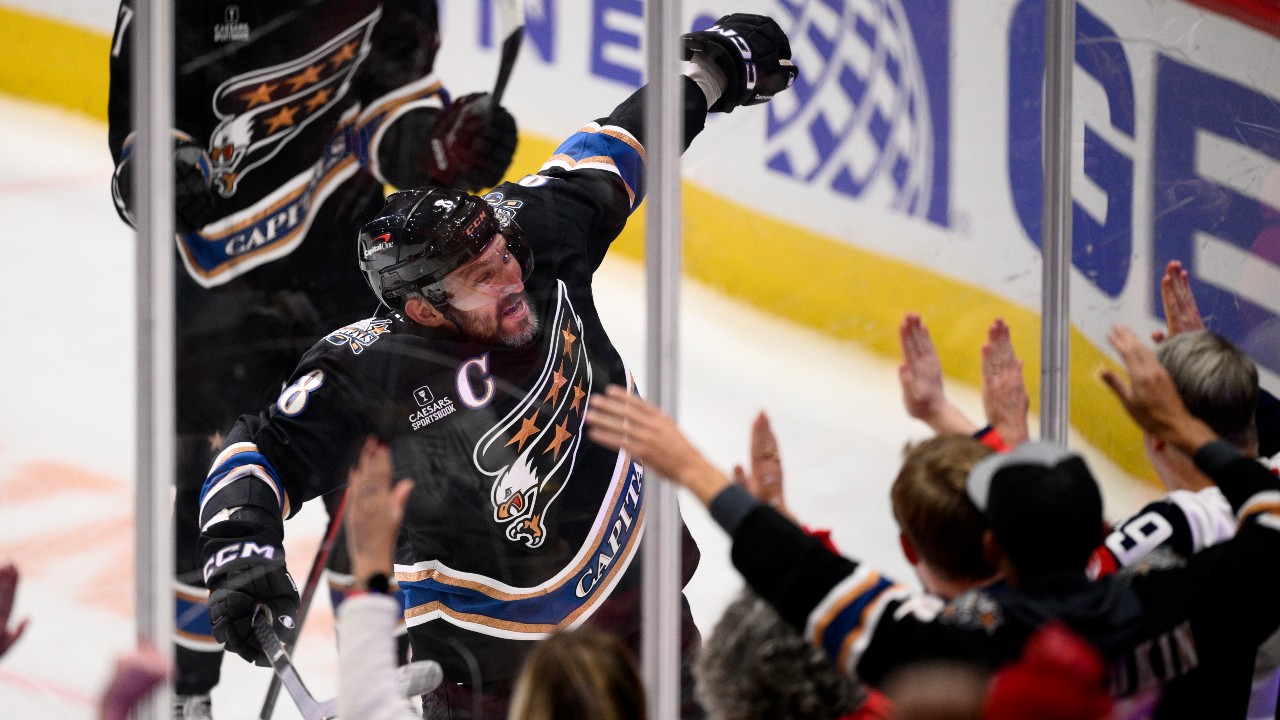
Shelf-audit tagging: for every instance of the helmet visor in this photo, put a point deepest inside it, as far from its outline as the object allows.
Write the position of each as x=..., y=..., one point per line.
x=490, y=276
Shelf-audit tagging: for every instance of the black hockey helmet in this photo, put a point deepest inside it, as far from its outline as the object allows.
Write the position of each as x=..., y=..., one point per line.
x=423, y=235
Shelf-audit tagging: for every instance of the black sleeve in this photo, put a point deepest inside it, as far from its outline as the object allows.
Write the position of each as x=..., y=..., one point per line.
x=791, y=569
x=1243, y=481
x=119, y=105
x=1232, y=587
x=404, y=46
x=867, y=624
x=299, y=448
x=1268, y=421
x=629, y=115
x=604, y=164
x=190, y=97
x=1235, y=584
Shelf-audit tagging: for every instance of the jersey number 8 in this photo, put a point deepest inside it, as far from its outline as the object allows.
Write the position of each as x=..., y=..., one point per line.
x=294, y=398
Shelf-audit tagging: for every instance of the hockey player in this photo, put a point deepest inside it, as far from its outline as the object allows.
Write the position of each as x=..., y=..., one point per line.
x=290, y=118
x=478, y=372
x=1192, y=628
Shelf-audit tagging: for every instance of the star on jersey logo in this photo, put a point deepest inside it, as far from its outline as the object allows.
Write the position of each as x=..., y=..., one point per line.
x=530, y=452
x=262, y=110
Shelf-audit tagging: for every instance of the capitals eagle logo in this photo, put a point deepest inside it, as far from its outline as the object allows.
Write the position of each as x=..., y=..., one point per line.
x=261, y=111
x=530, y=453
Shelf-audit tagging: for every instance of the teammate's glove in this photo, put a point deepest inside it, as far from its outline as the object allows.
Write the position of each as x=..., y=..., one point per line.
x=240, y=575
x=752, y=52
x=193, y=200
x=472, y=144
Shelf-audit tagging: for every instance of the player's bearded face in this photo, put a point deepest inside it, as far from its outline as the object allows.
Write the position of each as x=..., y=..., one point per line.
x=487, y=300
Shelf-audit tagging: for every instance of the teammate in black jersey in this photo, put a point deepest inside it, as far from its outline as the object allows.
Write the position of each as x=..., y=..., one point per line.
x=478, y=371
x=290, y=117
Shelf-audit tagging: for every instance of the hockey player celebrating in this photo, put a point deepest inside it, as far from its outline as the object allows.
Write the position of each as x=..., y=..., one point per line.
x=290, y=117
x=478, y=371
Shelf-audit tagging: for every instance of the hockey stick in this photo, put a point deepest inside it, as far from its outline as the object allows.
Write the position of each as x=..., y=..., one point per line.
x=511, y=21
x=285, y=672
x=416, y=678
x=308, y=593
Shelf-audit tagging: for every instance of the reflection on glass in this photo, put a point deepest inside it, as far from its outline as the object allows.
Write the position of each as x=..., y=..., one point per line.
x=899, y=175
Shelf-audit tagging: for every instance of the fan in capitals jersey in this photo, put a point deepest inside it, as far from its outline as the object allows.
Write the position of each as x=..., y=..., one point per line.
x=290, y=117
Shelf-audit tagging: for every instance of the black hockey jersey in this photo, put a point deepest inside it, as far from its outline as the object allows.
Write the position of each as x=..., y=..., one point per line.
x=518, y=524
x=1192, y=627
x=291, y=102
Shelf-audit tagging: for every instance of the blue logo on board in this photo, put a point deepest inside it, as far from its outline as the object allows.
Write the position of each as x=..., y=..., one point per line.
x=869, y=115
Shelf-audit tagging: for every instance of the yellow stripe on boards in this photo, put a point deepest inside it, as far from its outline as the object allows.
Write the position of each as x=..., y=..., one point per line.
x=54, y=62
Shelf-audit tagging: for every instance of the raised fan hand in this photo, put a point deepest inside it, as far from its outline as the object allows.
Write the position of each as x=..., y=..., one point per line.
x=1004, y=392
x=921, y=377
x=375, y=507
x=136, y=675
x=1180, y=309
x=8, y=590
x=765, y=479
x=618, y=419
x=1150, y=396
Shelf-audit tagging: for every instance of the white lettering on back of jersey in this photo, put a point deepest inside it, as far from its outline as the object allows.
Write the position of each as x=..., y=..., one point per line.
x=1138, y=537
x=1153, y=662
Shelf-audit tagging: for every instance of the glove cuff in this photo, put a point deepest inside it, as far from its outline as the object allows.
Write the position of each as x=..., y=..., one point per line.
x=733, y=62
x=708, y=76
x=753, y=54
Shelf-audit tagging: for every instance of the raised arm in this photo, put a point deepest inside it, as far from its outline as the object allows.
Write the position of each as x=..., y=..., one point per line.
x=742, y=60
x=269, y=466
x=1183, y=314
x=765, y=479
x=367, y=686
x=1004, y=392
x=1153, y=402
x=1235, y=583
x=920, y=375
x=1180, y=309
x=831, y=599
x=8, y=591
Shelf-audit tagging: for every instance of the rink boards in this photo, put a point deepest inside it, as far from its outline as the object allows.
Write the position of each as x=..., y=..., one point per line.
x=902, y=172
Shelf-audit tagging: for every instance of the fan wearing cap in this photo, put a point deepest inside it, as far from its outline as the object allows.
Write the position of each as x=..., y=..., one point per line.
x=477, y=370
x=1189, y=629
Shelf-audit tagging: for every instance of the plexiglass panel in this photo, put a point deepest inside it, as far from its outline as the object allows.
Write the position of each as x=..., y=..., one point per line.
x=850, y=248
x=1175, y=119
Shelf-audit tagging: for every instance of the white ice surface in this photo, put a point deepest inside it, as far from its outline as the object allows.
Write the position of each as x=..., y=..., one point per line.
x=67, y=427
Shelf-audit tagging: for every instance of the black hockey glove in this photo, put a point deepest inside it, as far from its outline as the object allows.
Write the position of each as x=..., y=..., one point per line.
x=752, y=52
x=241, y=574
x=472, y=144
x=193, y=200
